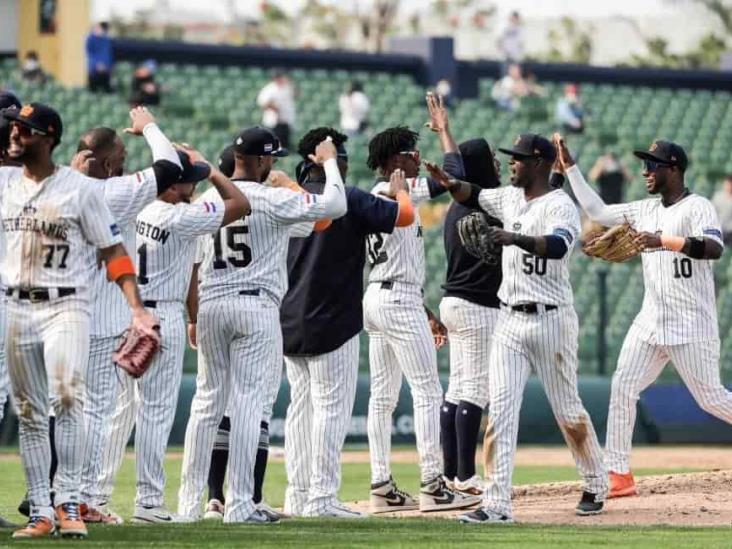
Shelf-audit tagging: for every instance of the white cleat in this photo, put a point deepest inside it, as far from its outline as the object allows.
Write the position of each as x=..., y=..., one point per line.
x=485, y=516
x=156, y=515
x=258, y=517
x=472, y=487
x=334, y=510
x=436, y=496
x=272, y=513
x=387, y=498
x=214, y=510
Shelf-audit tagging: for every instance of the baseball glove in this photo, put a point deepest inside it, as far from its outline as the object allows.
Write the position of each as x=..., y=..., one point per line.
x=616, y=244
x=475, y=234
x=138, y=346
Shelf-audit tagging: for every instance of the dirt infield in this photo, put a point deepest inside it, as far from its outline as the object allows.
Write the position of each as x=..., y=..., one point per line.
x=688, y=499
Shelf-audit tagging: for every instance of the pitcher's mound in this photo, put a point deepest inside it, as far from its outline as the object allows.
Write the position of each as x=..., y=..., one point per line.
x=689, y=499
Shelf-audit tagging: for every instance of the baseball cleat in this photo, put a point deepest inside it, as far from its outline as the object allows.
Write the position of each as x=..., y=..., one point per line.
x=69, y=520
x=436, y=496
x=37, y=527
x=387, y=498
x=258, y=517
x=334, y=510
x=24, y=506
x=4, y=523
x=100, y=515
x=153, y=515
x=262, y=507
x=485, y=516
x=622, y=485
x=589, y=505
x=471, y=487
x=214, y=510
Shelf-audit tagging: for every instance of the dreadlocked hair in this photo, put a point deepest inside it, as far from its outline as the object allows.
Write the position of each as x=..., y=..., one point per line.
x=315, y=136
x=386, y=144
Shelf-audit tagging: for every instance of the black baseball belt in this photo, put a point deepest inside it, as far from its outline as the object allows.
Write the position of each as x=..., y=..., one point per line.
x=37, y=295
x=529, y=308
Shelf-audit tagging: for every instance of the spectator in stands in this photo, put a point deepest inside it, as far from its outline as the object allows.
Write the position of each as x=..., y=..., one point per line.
x=611, y=177
x=533, y=88
x=511, y=41
x=145, y=90
x=99, y=59
x=722, y=201
x=570, y=113
x=31, y=70
x=509, y=90
x=277, y=101
x=354, y=106
x=443, y=88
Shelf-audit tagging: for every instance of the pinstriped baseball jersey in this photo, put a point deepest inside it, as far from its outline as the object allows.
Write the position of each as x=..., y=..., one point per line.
x=166, y=245
x=125, y=197
x=250, y=253
x=528, y=278
x=399, y=256
x=49, y=225
x=679, y=305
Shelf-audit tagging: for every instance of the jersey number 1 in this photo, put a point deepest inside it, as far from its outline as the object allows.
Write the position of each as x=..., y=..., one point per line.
x=242, y=255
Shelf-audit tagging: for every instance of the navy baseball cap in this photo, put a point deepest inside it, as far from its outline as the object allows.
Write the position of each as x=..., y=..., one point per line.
x=529, y=145
x=193, y=172
x=665, y=152
x=258, y=141
x=226, y=161
x=38, y=116
x=9, y=100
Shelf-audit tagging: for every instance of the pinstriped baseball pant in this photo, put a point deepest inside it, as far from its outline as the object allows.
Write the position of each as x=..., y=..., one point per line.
x=470, y=328
x=322, y=393
x=547, y=343
x=148, y=402
x=47, y=346
x=101, y=391
x=4, y=379
x=240, y=341
x=639, y=364
x=400, y=341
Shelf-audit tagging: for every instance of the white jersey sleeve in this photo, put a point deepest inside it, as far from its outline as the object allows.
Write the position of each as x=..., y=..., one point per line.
x=563, y=221
x=704, y=222
x=97, y=224
x=302, y=230
x=495, y=201
x=200, y=218
x=128, y=195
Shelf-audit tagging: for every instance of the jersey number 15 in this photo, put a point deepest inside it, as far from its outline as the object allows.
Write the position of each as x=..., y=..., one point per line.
x=241, y=255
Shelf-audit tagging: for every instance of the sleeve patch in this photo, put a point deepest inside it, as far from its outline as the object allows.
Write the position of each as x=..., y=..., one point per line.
x=210, y=207
x=114, y=228
x=713, y=232
x=564, y=233
x=309, y=198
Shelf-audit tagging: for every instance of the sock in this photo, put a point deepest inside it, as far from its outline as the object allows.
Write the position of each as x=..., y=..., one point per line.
x=54, y=455
x=467, y=425
x=449, y=439
x=219, y=461
x=260, y=465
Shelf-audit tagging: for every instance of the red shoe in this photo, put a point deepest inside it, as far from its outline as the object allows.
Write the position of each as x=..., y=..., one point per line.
x=622, y=485
x=37, y=527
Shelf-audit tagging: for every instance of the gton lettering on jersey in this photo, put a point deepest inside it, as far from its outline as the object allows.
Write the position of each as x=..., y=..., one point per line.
x=528, y=278
x=399, y=256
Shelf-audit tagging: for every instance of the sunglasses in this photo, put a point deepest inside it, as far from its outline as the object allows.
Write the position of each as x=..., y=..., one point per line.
x=414, y=155
x=652, y=166
x=27, y=131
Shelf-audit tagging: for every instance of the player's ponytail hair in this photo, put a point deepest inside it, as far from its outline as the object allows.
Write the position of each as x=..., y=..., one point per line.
x=386, y=144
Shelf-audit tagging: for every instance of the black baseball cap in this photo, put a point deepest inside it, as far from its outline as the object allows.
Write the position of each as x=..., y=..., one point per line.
x=665, y=152
x=9, y=100
x=258, y=141
x=38, y=116
x=226, y=161
x=532, y=145
x=193, y=172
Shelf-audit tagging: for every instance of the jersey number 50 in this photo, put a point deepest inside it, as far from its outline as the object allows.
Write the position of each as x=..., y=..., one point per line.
x=242, y=254
x=533, y=264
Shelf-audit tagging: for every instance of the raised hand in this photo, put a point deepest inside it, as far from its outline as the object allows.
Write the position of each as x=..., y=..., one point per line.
x=564, y=159
x=397, y=182
x=140, y=117
x=438, y=174
x=325, y=150
x=438, y=113
x=85, y=163
x=194, y=155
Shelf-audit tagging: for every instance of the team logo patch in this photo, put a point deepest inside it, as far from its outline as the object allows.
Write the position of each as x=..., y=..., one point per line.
x=115, y=229
x=713, y=232
x=239, y=141
x=29, y=209
x=268, y=147
x=653, y=147
x=517, y=226
x=564, y=233
x=26, y=111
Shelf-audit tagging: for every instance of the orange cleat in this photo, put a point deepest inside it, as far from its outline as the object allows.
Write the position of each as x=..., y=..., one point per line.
x=622, y=485
x=37, y=527
x=70, y=524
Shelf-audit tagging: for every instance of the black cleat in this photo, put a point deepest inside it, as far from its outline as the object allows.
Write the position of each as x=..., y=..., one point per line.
x=589, y=505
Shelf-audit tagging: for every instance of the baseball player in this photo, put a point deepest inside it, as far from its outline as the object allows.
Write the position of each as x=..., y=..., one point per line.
x=50, y=215
x=102, y=155
x=242, y=281
x=322, y=317
x=400, y=340
x=167, y=233
x=537, y=326
x=470, y=310
x=677, y=322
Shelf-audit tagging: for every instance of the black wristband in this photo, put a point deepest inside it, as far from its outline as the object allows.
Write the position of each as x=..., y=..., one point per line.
x=524, y=242
x=696, y=248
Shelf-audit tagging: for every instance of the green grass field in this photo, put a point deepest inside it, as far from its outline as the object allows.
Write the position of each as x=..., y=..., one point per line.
x=422, y=533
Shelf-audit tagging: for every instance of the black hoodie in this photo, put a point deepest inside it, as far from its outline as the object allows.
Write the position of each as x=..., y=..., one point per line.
x=468, y=278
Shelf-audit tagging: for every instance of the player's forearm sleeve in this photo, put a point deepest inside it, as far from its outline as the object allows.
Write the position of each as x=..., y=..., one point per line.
x=160, y=145
x=556, y=247
x=590, y=201
x=334, y=195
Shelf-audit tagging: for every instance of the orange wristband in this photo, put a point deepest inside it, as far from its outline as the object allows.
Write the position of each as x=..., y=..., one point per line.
x=673, y=243
x=119, y=267
x=405, y=217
